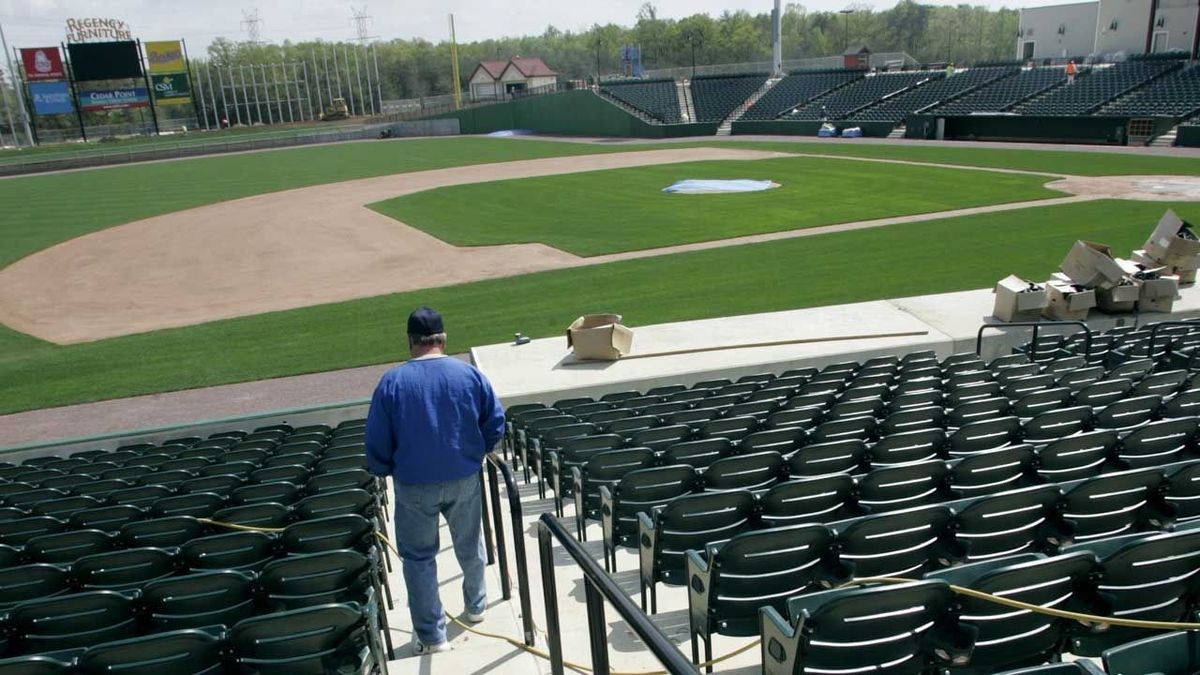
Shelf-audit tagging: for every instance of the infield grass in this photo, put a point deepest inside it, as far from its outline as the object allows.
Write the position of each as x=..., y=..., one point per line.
x=615, y=210
x=896, y=261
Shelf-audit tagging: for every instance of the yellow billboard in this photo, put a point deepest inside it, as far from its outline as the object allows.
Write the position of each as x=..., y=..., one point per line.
x=165, y=56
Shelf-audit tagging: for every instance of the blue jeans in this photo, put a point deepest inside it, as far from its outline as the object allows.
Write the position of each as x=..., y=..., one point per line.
x=417, y=510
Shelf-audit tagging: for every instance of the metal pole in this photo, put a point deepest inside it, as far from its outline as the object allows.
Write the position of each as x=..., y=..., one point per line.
x=212, y=96
x=349, y=85
x=550, y=594
x=188, y=63
x=18, y=86
x=378, y=82
x=488, y=542
x=8, y=109
x=287, y=90
x=266, y=92
x=596, y=627
x=246, y=96
x=257, y=100
x=74, y=93
x=308, y=90
x=149, y=93
x=498, y=528
x=370, y=89
x=328, y=82
x=237, y=112
x=358, y=76
x=337, y=72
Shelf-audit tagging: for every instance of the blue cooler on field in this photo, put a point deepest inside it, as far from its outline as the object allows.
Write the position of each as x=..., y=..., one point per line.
x=852, y=132
x=827, y=131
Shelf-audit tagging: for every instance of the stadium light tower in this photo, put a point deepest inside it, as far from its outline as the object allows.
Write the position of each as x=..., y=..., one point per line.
x=777, y=34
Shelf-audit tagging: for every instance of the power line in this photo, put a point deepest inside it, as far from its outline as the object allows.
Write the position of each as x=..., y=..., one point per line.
x=362, y=24
x=252, y=25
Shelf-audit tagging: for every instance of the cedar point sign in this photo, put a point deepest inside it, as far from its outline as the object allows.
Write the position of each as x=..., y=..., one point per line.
x=83, y=30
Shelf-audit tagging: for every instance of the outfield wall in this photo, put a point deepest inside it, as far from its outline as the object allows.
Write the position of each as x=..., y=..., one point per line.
x=570, y=113
x=1083, y=129
x=1189, y=136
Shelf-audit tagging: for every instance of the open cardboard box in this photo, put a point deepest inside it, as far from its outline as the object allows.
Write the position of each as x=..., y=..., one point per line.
x=1018, y=299
x=1092, y=265
x=599, y=337
x=1067, y=301
x=1174, y=242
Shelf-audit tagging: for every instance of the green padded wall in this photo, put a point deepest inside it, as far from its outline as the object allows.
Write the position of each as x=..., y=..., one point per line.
x=570, y=113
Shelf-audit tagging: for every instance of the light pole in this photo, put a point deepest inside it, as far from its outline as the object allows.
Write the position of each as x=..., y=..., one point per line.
x=845, y=27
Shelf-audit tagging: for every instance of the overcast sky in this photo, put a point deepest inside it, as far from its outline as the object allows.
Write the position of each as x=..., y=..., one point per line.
x=33, y=23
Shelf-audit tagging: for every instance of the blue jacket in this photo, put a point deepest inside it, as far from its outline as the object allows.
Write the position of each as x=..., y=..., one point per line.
x=431, y=421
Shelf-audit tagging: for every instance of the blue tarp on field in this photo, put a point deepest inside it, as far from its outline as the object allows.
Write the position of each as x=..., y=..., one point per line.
x=700, y=186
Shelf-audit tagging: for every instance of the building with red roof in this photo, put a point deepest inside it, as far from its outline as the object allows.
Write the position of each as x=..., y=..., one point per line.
x=500, y=79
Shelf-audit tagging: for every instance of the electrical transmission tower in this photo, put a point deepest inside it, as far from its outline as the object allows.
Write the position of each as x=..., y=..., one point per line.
x=252, y=25
x=362, y=24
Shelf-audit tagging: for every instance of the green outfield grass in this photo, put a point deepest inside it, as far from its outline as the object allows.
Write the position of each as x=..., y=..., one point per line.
x=896, y=261
x=617, y=210
x=1048, y=161
x=40, y=211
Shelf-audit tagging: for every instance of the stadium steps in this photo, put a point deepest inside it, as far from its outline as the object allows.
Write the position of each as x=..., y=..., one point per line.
x=726, y=127
x=898, y=132
x=684, y=91
x=1166, y=140
x=889, y=97
x=627, y=108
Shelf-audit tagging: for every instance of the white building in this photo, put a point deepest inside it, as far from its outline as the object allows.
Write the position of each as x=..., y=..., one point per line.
x=499, y=79
x=1106, y=27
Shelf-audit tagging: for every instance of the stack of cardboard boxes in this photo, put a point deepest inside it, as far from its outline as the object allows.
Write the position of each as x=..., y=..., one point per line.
x=1091, y=276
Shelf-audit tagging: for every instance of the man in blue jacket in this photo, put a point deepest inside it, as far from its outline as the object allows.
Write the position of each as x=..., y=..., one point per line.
x=431, y=421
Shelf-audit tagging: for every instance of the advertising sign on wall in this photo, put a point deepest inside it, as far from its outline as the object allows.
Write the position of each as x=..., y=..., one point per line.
x=173, y=88
x=95, y=28
x=43, y=63
x=165, y=56
x=105, y=60
x=51, y=98
x=113, y=99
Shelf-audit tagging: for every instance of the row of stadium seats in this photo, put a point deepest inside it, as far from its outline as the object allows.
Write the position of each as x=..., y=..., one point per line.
x=797, y=89
x=839, y=104
x=1091, y=91
x=656, y=98
x=1175, y=95
x=717, y=96
x=1005, y=93
x=924, y=626
x=329, y=638
x=897, y=108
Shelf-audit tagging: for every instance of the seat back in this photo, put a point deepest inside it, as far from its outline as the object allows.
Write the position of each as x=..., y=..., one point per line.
x=1183, y=492
x=756, y=471
x=125, y=569
x=311, y=641
x=1128, y=413
x=185, y=651
x=977, y=437
x=1056, y=424
x=348, y=530
x=221, y=597
x=241, y=550
x=317, y=578
x=693, y=522
x=904, y=486
x=1076, y=457
x=659, y=438
x=913, y=419
x=1114, y=504
x=910, y=446
x=1158, y=443
x=784, y=441
x=75, y=620
x=1151, y=578
x=846, y=456
x=167, y=532
x=28, y=582
x=66, y=547
x=904, y=543
x=1013, y=522
x=642, y=490
x=819, y=499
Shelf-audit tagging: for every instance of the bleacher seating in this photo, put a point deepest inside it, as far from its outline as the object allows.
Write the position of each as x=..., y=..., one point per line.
x=798, y=89
x=860, y=94
x=1092, y=90
x=897, y=108
x=1175, y=95
x=717, y=96
x=1057, y=475
x=1005, y=93
x=656, y=98
x=125, y=555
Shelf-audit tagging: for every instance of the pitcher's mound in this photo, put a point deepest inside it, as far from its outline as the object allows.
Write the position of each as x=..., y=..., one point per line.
x=1141, y=188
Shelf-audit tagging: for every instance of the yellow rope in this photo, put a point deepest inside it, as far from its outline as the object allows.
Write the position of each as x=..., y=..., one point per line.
x=979, y=595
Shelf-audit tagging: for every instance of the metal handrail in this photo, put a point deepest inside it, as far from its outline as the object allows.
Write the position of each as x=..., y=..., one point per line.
x=1165, y=324
x=598, y=587
x=1087, y=332
x=496, y=469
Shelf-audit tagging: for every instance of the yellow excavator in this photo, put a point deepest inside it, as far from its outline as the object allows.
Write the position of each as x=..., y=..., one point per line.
x=337, y=111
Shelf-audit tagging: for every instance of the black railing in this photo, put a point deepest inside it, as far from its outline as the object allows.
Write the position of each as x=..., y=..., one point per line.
x=1166, y=324
x=497, y=547
x=1036, y=325
x=598, y=587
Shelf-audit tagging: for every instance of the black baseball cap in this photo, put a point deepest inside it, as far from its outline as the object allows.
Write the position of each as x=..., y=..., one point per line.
x=425, y=321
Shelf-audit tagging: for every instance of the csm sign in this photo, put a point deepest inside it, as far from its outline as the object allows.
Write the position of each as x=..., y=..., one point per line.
x=84, y=30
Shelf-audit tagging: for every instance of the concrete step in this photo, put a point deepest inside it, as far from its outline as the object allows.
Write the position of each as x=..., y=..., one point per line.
x=898, y=132
x=1166, y=140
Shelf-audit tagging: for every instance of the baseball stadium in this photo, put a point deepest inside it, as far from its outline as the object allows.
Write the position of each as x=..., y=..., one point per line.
x=863, y=363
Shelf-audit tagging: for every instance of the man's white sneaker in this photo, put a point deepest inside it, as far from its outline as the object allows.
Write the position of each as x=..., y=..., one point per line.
x=476, y=617
x=420, y=648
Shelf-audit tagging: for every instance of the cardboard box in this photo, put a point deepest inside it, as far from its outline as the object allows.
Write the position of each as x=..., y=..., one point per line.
x=1185, y=276
x=1091, y=265
x=1186, y=270
x=1018, y=299
x=1158, y=294
x=1067, y=301
x=1119, y=299
x=600, y=337
x=1174, y=242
